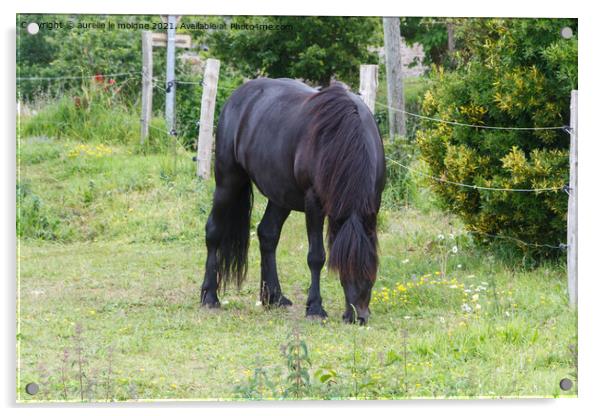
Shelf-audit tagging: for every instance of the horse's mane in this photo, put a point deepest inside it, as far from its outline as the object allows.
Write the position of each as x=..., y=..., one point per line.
x=345, y=172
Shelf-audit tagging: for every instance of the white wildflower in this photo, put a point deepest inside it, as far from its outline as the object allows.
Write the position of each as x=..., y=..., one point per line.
x=454, y=249
x=405, y=261
x=258, y=303
x=441, y=237
x=466, y=308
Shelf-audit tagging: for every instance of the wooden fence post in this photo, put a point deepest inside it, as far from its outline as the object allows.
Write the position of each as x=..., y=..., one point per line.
x=572, y=209
x=147, y=84
x=369, y=84
x=205, y=141
x=170, y=76
x=395, y=97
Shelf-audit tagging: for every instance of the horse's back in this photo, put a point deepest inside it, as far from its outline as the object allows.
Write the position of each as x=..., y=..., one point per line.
x=259, y=131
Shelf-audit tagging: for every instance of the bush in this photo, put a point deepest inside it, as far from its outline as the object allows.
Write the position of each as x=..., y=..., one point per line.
x=512, y=72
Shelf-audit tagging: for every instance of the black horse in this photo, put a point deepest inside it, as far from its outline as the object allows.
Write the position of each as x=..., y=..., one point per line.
x=318, y=152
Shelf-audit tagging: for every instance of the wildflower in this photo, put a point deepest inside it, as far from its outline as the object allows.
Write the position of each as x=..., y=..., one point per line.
x=258, y=303
x=459, y=266
x=407, y=317
x=225, y=302
x=452, y=236
x=441, y=237
x=466, y=308
x=477, y=307
x=475, y=297
x=405, y=261
x=454, y=249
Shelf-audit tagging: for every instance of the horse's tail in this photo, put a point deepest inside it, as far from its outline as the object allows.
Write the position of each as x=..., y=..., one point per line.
x=234, y=242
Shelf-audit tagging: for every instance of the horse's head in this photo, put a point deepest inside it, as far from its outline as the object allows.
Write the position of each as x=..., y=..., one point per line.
x=353, y=253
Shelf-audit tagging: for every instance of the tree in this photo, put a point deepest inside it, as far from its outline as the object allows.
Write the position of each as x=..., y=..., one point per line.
x=431, y=33
x=511, y=72
x=312, y=48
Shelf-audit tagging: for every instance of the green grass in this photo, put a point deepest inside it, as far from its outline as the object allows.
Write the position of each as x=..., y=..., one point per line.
x=110, y=262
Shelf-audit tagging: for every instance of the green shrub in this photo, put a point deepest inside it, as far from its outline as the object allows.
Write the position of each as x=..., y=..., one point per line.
x=512, y=72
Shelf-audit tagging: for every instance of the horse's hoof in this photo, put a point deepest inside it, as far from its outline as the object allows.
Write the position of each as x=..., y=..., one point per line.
x=209, y=301
x=316, y=313
x=284, y=301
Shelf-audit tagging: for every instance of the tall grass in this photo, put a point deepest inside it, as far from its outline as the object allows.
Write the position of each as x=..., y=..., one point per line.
x=97, y=114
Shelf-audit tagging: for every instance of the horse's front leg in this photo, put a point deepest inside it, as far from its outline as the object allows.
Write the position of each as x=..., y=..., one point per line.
x=269, y=234
x=314, y=221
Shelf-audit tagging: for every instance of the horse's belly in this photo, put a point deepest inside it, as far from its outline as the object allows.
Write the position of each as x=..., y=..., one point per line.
x=279, y=190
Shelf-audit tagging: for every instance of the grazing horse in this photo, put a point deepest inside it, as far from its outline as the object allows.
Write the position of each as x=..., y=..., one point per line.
x=317, y=152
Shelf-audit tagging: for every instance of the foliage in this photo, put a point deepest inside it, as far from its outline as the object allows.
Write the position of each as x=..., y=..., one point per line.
x=311, y=48
x=91, y=53
x=75, y=51
x=397, y=186
x=512, y=72
x=297, y=363
x=431, y=33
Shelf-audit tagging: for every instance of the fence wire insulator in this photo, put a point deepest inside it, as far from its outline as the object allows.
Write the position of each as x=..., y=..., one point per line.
x=194, y=158
x=173, y=132
x=169, y=86
x=568, y=129
x=566, y=188
x=563, y=246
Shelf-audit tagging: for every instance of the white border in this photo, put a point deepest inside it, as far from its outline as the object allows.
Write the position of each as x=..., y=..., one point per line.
x=589, y=154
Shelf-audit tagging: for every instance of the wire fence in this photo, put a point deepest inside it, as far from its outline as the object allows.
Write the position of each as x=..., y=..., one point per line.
x=68, y=77
x=478, y=126
x=465, y=185
x=160, y=84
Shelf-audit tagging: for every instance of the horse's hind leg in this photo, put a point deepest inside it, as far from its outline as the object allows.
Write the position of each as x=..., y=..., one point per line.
x=269, y=234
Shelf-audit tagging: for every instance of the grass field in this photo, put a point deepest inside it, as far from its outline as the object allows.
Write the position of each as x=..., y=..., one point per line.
x=111, y=258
